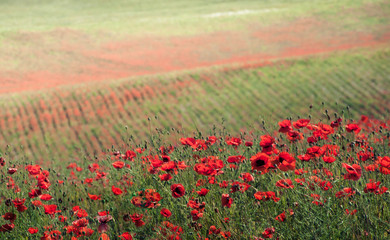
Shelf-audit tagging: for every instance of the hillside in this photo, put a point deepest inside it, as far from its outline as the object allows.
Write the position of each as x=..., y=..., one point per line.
x=71, y=122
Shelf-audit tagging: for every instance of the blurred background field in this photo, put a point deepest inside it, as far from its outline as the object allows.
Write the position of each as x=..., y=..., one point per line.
x=80, y=76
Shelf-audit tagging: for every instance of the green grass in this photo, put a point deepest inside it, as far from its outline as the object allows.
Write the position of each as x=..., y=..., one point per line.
x=197, y=100
x=160, y=16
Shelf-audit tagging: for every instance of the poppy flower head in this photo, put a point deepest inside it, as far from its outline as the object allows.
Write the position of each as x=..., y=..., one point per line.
x=285, y=183
x=116, y=191
x=285, y=126
x=165, y=212
x=226, y=200
x=354, y=171
x=260, y=162
x=301, y=123
x=177, y=190
x=266, y=141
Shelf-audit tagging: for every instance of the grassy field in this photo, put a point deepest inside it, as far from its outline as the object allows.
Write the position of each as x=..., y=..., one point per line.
x=172, y=17
x=164, y=119
x=87, y=118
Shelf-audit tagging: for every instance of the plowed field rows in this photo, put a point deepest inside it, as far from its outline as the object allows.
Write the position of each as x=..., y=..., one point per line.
x=85, y=119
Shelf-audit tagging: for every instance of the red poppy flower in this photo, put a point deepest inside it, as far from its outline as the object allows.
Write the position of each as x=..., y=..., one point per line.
x=247, y=177
x=33, y=169
x=287, y=161
x=281, y=217
x=315, y=151
x=129, y=155
x=12, y=170
x=118, y=164
x=294, y=136
x=126, y=236
x=7, y=227
x=328, y=159
x=346, y=192
x=268, y=232
x=137, y=219
x=37, y=203
x=33, y=230
x=373, y=187
x=51, y=209
x=45, y=197
x=116, y=191
x=260, y=162
x=103, y=220
x=226, y=200
x=103, y=213
x=336, y=123
x=80, y=223
x=177, y=190
x=233, y=141
x=265, y=196
x=354, y=171
x=165, y=177
x=285, y=126
x=202, y=192
x=19, y=204
x=235, y=159
x=168, y=166
x=34, y=193
x=214, y=230
x=285, y=183
x=9, y=217
x=384, y=163
x=266, y=141
x=348, y=212
x=94, y=197
x=165, y=212
x=353, y=128
x=196, y=215
x=301, y=123
x=62, y=218
x=305, y=157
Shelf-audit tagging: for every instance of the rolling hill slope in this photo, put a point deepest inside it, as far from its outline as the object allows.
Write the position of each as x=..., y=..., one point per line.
x=84, y=119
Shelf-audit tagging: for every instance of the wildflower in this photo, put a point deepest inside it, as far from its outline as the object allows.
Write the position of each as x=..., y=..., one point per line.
x=137, y=219
x=260, y=162
x=165, y=212
x=103, y=220
x=177, y=190
x=285, y=126
x=202, y=192
x=301, y=123
x=285, y=183
x=226, y=200
x=51, y=209
x=94, y=197
x=32, y=230
x=116, y=191
x=118, y=164
x=384, y=163
x=268, y=232
x=354, y=171
x=126, y=236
